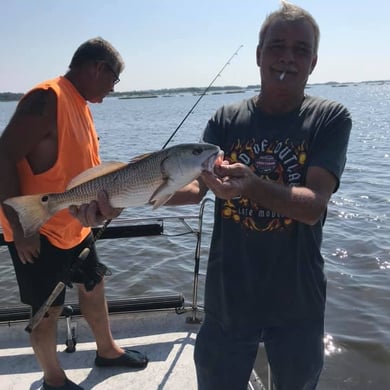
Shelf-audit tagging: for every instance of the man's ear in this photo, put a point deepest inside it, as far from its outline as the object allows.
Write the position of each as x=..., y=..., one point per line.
x=258, y=55
x=99, y=67
x=313, y=63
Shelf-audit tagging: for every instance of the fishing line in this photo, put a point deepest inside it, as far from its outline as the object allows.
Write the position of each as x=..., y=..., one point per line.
x=201, y=96
x=189, y=112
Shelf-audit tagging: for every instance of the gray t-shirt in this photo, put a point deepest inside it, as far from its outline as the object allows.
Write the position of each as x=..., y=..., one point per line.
x=266, y=269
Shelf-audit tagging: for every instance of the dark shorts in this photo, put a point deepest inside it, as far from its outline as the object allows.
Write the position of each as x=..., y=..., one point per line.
x=224, y=359
x=36, y=281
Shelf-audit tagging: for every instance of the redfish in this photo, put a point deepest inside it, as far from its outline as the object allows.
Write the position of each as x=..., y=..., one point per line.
x=150, y=178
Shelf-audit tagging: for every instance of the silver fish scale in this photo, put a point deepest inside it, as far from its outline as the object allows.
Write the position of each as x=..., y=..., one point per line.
x=135, y=183
x=152, y=178
x=131, y=185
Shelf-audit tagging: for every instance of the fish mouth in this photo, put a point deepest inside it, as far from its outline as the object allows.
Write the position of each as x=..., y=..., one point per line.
x=208, y=164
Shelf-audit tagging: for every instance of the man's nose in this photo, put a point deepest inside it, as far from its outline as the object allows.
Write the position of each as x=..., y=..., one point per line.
x=287, y=56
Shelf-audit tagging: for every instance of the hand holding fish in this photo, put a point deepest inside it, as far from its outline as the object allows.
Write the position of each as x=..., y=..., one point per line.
x=229, y=180
x=95, y=212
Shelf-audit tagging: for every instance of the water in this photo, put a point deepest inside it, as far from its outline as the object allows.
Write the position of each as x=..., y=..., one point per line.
x=356, y=233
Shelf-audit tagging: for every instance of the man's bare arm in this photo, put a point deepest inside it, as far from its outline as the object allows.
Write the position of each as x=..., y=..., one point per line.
x=305, y=204
x=31, y=127
x=192, y=193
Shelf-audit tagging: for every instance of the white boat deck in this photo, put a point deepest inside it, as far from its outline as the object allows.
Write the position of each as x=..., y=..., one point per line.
x=164, y=336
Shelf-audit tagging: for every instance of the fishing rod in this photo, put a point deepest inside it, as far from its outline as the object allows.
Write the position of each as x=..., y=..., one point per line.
x=201, y=96
x=186, y=116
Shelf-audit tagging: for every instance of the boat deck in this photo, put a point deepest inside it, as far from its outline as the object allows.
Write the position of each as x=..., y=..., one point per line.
x=164, y=336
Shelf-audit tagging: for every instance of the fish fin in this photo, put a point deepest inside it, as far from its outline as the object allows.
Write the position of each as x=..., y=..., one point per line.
x=162, y=194
x=139, y=158
x=31, y=210
x=161, y=200
x=92, y=173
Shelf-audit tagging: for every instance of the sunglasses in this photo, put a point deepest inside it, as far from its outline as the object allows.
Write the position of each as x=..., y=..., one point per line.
x=116, y=76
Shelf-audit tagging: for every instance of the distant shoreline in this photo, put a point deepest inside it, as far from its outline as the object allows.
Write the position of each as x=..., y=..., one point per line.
x=166, y=92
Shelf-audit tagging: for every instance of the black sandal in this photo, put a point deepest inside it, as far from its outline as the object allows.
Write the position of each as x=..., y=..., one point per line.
x=130, y=358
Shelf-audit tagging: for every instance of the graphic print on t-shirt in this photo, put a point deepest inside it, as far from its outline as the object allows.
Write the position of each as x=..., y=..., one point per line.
x=278, y=161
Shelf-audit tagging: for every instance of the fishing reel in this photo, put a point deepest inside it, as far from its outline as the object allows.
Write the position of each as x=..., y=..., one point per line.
x=86, y=275
x=93, y=277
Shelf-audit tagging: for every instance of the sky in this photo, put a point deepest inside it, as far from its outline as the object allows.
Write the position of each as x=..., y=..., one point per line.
x=181, y=43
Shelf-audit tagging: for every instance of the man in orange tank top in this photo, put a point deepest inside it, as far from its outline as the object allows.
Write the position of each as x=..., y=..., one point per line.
x=59, y=141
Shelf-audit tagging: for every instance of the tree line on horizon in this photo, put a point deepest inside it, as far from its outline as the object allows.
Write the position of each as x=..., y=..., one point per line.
x=11, y=96
x=15, y=96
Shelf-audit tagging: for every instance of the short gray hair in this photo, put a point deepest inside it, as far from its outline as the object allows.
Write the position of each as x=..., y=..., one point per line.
x=290, y=12
x=97, y=49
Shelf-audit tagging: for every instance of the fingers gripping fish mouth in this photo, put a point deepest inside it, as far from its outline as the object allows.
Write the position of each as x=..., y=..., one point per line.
x=208, y=165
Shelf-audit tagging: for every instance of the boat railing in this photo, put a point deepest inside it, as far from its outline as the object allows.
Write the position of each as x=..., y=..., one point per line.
x=123, y=230
x=128, y=228
x=142, y=227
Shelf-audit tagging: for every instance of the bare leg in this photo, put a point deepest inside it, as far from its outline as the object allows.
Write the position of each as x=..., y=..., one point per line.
x=93, y=306
x=44, y=343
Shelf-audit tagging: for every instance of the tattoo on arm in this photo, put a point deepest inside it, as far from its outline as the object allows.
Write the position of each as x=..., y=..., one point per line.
x=34, y=103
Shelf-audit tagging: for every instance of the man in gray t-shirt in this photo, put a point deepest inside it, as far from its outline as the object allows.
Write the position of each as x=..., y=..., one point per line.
x=265, y=267
x=284, y=156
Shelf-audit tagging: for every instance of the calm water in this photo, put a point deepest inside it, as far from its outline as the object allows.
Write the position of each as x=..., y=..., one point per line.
x=356, y=233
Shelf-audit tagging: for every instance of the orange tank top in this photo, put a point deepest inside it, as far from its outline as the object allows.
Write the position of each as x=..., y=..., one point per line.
x=78, y=150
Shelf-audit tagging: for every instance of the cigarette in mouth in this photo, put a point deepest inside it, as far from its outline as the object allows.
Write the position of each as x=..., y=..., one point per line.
x=281, y=77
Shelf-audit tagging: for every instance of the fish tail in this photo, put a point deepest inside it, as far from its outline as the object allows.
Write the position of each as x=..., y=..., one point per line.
x=32, y=212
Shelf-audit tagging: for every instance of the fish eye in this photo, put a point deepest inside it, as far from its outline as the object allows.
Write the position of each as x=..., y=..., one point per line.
x=197, y=151
x=44, y=198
